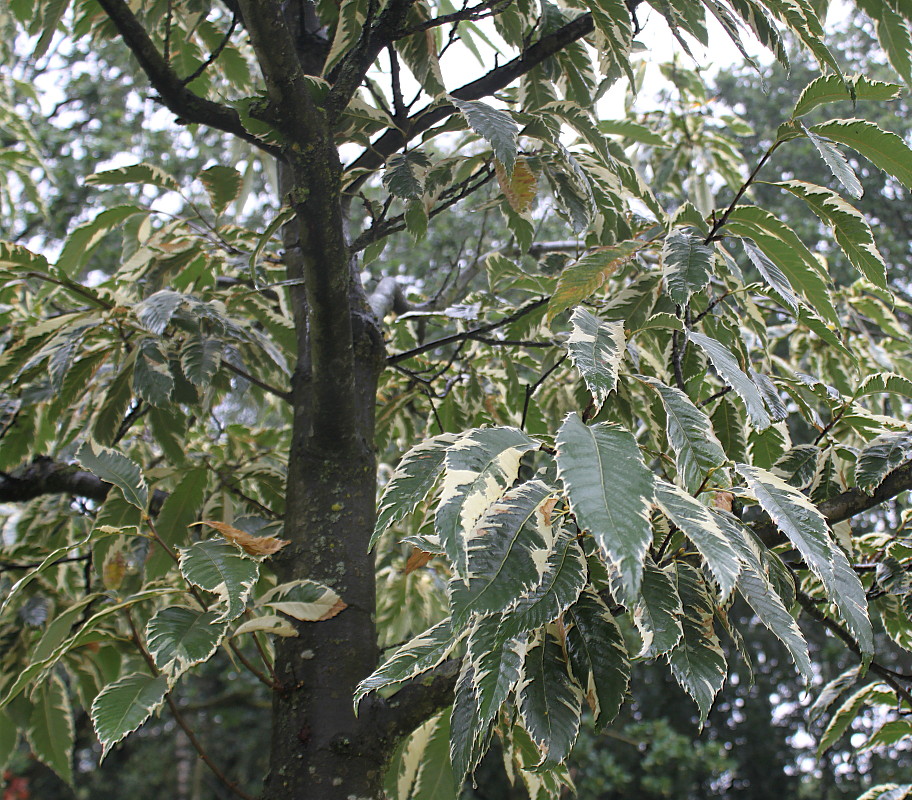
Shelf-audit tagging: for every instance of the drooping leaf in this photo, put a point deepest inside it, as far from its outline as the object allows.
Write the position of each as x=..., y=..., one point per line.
x=519, y=187
x=250, y=544
x=178, y=638
x=304, y=600
x=885, y=150
x=697, y=662
x=152, y=379
x=610, y=491
x=116, y=468
x=496, y=127
x=220, y=567
x=730, y=372
x=658, y=612
x=155, y=312
x=598, y=656
x=467, y=736
x=550, y=701
x=838, y=164
x=688, y=264
x=774, y=276
x=497, y=664
x=201, y=357
x=698, y=524
x=831, y=89
x=596, y=349
x=880, y=457
x=804, y=525
x=50, y=731
x=405, y=174
x=121, y=707
x=415, y=474
x=223, y=185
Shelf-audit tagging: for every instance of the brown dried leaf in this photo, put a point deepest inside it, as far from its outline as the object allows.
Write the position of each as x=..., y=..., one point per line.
x=417, y=560
x=255, y=545
x=723, y=500
x=547, y=509
x=340, y=605
x=519, y=188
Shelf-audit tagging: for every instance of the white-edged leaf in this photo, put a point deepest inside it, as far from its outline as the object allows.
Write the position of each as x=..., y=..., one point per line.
x=414, y=476
x=121, y=707
x=152, y=379
x=201, y=357
x=727, y=366
x=598, y=656
x=268, y=623
x=155, y=312
x=838, y=164
x=405, y=174
x=698, y=524
x=550, y=701
x=50, y=729
x=304, y=600
x=147, y=174
x=885, y=150
x=610, y=491
x=688, y=264
x=496, y=127
x=497, y=665
x=658, y=612
x=880, y=457
x=223, y=185
x=422, y=653
x=697, y=662
x=831, y=89
x=774, y=276
x=221, y=567
x=178, y=638
x=596, y=349
x=114, y=467
x=806, y=528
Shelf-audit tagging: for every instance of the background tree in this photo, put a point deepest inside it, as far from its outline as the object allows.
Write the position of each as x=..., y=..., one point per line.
x=598, y=482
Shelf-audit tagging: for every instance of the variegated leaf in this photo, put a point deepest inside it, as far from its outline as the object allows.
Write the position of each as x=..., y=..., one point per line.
x=596, y=349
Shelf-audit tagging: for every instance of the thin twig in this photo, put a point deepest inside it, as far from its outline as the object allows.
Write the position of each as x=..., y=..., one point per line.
x=532, y=388
x=214, y=55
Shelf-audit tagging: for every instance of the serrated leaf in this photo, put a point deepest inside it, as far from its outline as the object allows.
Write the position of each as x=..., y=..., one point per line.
x=178, y=638
x=774, y=276
x=519, y=187
x=698, y=524
x=114, y=467
x=480, y=466
x=155, y=312
x=467, y=737
x=304, y=600
x=838, y=164
x=148, y=174
x=598, y=656
x=497, y=663
x=201, y=357
x=688, y=265
x=152, y=379
x=422, y=653
x=223, y=185
x=496, y=127
x=697, y=662
x=831, y=89
x=596, y=349
x=268, y=623
x=756, y=17
x=405, y=174
x=893, y=34
x=832, y=691
x=806, y=528
x=885, y=150
x=585, y=277
x=802, y=20
x=177, y=513
x=434, y=780
x=850, y=228
x=880, y=457
x=550, y=701
x=252, y=545
x=731, y=373
x=81, y=242
x=349, y=29
x=658, y=612
x=799, y=465
x=121, y=707
x=610, y=491
x=503, y=552
x=415, y=474
x=690, y=433
x=846, y=714
x=50, y=731
x=220, y=567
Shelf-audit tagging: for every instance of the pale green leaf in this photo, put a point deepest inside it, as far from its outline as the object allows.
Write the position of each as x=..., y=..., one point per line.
x=223, y=185
x=152, y=379
x=880, y=457
x=831, y=89
x=304, y=600
x=221, y=567
x=688, y=265
x=610, y=491
x=143, y=173
x=884, y=149
x=116, y=468
x=838, y=164
x=50, y=730
x=155, y=312
x=200, y=359
x=179, y=638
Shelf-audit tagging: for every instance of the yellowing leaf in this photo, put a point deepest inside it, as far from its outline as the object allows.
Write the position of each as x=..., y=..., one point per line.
x=255, y=545
x=519, y=188
x=417, y=560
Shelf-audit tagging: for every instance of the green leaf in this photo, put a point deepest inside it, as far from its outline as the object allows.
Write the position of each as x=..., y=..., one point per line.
x=422, y=653
x=550, y=701
x=783, y=247
x=497, y=664
x=220, y=567
x=880, y=457
x=697, y=662
x=596, y=349
x=480, y=466
x=200, y=359
x=467, y=737
x=885, y=150
x=177, y=513
x=632, y=131
x=223, y=185
x=698, y=452
x=893, y=35
x=152, y=379
x=698, y=524
x=688, y=265
x=598, y=656
x=178, y=638
x=802, y=20
x=501, y=553
x=756, y=17
x=580, y=280
x=849, y=226
x=846, y=714
x=831, y=89
x=610, y=491
x=155, y=312
x=50, y=731
x=731, y=373
x=658, y=612
x=81, y=242
x=414, y=477
x=838, y=164
x=9, y=739
x=496, y=127
x=148, y=174
x=304, y=600
x=435, y=774
x=114, y=467
x=774, y=276
x=806, y=528
x=405, y=174
x=121, y=707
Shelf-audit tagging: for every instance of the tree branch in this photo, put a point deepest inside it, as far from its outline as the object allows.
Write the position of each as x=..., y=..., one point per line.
x=188, y=106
